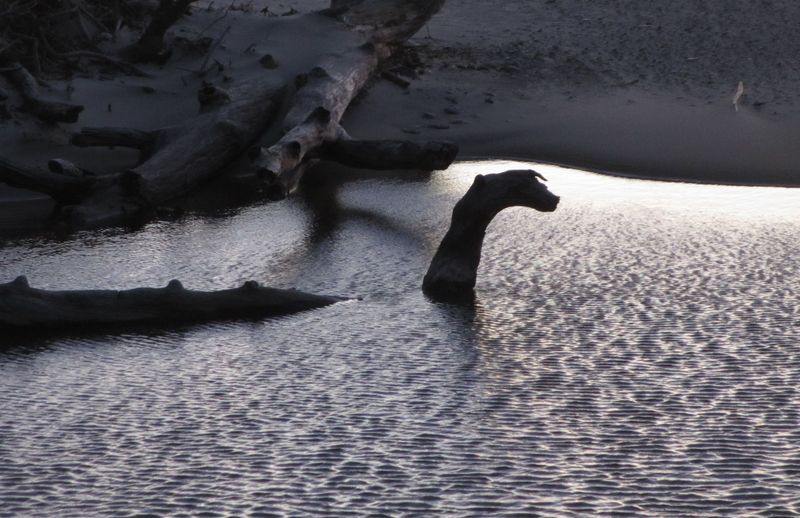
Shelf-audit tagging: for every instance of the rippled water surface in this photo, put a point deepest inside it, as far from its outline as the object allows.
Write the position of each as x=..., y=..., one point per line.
x=634, y=353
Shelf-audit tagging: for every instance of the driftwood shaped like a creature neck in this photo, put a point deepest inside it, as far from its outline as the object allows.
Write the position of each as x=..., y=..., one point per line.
x=452, y=273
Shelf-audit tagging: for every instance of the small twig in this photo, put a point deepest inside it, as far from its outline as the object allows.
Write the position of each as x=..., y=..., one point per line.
x=738, y=95
x=211, y=50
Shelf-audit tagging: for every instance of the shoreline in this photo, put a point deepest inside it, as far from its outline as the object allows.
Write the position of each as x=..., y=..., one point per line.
x=550, y=88
x=596, y=169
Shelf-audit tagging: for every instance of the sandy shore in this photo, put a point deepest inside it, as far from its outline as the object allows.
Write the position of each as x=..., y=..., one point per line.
x=637, y=88
x=641, y=89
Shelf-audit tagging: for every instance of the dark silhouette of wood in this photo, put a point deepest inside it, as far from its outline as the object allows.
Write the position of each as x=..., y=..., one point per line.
x=453, y=270
x=179, y=158
x=24, y=307
x=35, y=102
x=60, y=187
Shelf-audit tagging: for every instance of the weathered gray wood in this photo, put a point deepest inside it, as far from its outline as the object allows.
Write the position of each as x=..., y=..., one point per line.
x=184, y=157
x=453, y=270
x=23, y=307
x=316, y=110
x=178, y=159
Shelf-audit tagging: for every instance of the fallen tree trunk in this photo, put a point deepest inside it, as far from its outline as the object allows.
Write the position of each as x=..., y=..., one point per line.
x=144, y=141
x=178, y=159
x=62, y=188
x=453, y=271
x=23, y=307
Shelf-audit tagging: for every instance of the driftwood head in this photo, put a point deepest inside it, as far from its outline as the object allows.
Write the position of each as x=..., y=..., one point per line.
x=452, y=273
x=520, y=187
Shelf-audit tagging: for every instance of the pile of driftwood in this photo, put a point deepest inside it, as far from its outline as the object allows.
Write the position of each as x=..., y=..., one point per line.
x=174, y=161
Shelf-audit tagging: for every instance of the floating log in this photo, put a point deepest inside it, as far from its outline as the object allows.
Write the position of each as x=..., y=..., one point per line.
x=24, y=307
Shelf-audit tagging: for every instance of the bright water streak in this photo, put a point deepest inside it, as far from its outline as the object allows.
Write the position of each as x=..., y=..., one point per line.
x=635, y=353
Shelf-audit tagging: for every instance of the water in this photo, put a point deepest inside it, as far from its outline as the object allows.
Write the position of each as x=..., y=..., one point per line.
x=634, y=353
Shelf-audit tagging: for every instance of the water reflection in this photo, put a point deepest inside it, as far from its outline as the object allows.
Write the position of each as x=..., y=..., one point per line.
x=635, y=352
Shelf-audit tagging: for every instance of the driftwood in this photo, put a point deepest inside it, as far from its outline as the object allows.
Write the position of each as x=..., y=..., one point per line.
x=453, y=270
x=145, y=141
x=35, y=102
x=313, y=118
x=176, y=160
x=62, y=188
x=23, y=307
x=173, y=161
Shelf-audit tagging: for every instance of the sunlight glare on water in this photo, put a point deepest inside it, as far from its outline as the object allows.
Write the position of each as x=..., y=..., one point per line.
x=635, y=353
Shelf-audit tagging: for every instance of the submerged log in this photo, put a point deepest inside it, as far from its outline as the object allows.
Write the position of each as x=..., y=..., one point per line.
x=23, y=307
x=453, y=270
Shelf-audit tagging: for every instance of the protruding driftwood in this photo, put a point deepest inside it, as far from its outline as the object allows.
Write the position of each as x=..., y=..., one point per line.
x=315, y=113
x=316, y=110
x=62, y=188
x=453, y=270
x=45, y=109
x=178, y=159
x=24, y=307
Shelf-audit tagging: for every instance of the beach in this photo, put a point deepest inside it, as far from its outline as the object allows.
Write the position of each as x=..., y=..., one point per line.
x=640, y=89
